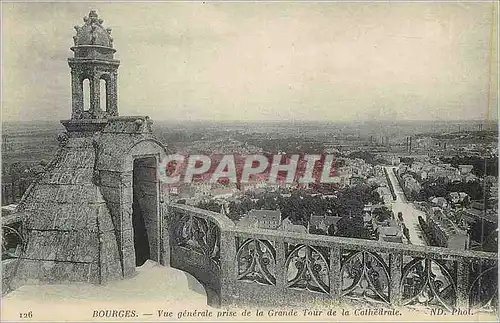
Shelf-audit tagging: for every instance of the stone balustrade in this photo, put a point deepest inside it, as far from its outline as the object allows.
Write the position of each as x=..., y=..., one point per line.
x=270, y=267
x=194, y=236
x=244, y=266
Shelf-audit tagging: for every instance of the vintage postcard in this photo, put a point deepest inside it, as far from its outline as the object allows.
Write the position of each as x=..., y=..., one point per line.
x=249, y=161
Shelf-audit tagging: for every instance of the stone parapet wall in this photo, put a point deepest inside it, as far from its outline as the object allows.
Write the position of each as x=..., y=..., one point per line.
x=195, y=245
x=268, y=267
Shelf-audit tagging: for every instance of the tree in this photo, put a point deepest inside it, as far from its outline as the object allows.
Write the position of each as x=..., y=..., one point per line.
x=210, y=206
x=473, y=189
x=407, y=160
x=382, y=214
x=375, y=198
x=314, y=230
x=234, y=211
x=481, y=165
x=432, y=188
x=331, y=230
x=368, y=157
x=246, y=205
x=352, y=227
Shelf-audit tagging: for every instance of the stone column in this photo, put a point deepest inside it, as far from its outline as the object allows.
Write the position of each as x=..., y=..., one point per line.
x=126, y=227
x=335, y=272
x=108, y=95
x=76, y=94
x=111, y=95
x=95, y=107
x=165, y=233
x=281, y=270
x=463, y=283
x=396, y=267
x=229, y=267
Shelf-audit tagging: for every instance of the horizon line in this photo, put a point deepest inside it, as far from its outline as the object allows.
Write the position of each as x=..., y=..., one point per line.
x=280, y=121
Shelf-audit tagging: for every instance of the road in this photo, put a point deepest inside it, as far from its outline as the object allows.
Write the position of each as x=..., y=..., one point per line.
x=410, y=212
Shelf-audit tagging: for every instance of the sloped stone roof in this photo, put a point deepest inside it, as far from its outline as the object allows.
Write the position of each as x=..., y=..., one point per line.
x=69, y=230
x=77, y=214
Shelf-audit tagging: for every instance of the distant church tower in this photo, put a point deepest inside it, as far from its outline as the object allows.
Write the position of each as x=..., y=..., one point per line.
x=93, y=62
x=95, y=213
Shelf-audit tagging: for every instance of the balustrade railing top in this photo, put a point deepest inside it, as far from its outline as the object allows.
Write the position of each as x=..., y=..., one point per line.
x=225, y=224
x=222, y=221
x=242, y=264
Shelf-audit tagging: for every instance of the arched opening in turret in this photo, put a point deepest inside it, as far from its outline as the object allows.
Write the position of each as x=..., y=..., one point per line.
x=103, y=94
x=86, y=94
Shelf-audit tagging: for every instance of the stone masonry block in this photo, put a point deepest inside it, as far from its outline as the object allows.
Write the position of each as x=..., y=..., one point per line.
x=127, y=195
x=127, y=238
x=104, y=218
x=111, y=194
x=129, y=262
x=110, y=257
x=32, y=271
x=111, y=179
x=80, y=246
x=63, y=217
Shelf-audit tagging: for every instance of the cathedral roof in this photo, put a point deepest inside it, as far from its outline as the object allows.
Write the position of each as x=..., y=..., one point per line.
x=92, y=33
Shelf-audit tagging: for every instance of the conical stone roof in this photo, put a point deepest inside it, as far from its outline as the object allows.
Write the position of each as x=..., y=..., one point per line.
x=69, y=230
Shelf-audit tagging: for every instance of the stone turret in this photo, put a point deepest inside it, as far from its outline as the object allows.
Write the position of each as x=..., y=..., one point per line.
x=93, y=62
x=79, y=215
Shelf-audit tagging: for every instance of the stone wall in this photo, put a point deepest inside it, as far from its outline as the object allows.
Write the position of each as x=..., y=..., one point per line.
x=123, y=140
x=8, y=269
x=195, y=245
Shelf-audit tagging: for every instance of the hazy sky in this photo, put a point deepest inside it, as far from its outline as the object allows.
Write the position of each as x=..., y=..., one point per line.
x=261, y=61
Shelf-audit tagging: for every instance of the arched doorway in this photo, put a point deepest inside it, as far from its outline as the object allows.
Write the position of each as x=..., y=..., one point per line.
x=142, y=235
x=145, y=210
